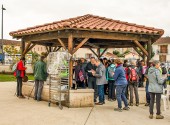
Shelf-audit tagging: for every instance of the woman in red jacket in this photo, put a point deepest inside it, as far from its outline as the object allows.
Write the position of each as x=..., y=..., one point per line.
x=19, y=74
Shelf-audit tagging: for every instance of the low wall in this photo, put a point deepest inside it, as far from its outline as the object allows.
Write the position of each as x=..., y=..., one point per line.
x=74, y=98
x=6, y=69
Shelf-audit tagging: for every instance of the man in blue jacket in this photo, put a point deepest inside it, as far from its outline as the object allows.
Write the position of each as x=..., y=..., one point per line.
x=121, y=84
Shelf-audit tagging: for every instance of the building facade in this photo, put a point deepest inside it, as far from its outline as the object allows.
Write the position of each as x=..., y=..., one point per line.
x=161, y=49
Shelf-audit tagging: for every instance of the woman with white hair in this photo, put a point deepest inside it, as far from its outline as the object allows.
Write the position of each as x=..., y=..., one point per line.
x=155, y=88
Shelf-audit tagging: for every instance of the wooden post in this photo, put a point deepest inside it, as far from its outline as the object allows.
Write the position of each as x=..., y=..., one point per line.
x=70, y=50
x=149, y=49
x=26, y=49
x=98, y=53
x=22, y=47
x=50, y=49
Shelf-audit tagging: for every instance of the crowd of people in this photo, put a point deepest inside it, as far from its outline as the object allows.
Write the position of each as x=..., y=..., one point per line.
x=120, y=81
x=115, y=78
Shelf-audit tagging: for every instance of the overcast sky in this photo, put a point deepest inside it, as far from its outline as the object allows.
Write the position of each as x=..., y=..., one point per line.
x=25, y=13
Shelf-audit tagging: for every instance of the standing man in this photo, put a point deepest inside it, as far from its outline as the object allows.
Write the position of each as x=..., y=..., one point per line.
x=100, y=75
x=19, y=74
x=40, y=75
x=91, y=79
x=84, y=64
x=133, y=83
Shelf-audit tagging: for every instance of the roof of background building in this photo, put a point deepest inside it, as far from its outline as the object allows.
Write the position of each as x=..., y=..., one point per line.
x=11, y=42
x=163, y=40
x=90, y=22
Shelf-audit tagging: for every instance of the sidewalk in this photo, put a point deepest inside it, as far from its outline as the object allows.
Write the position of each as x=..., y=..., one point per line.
x=14, y=111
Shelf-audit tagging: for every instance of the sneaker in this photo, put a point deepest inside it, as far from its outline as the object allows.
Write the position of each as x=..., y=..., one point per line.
x=131, y=104
x=114, y=99
x=159, y=117
x=147, y=104
x=126, y=108
x=99, y=103
x=118, y=109
x=110, y=100
x=151, y=116
x=137, y=104
x=21, y=97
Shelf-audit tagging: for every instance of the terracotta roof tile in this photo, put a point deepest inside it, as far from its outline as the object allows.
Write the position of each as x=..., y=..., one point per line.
x=163, y=40
x=11, y=42
x=90, y=22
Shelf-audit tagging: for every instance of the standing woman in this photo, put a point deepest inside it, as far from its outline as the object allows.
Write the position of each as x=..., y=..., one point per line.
x=121, y=84
x=155, y=88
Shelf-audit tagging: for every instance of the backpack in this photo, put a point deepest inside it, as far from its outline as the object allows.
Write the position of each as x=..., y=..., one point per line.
x=133, y=76
x=126, y=73
x=164, y=71
x=14, y=67
x=80, y=75
x=110, y=71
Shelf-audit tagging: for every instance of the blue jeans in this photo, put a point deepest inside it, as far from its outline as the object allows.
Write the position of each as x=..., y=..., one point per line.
x=120, y=95
x=101, y=93
x=111, y=87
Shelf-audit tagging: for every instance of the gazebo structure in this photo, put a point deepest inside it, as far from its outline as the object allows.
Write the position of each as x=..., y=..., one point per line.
x=91, y=32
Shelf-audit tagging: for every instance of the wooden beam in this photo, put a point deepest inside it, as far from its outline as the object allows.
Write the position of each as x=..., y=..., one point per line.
x=58, y=48
x=80, y=45
x=92, y=45
x=141, y=47
x=136, y=49
x=93, y=52
x=27, y=47
x=55, y=48
x=31, y=47
x=62, y=43
x=47, y=49
x=87, y=34
x=103, y=52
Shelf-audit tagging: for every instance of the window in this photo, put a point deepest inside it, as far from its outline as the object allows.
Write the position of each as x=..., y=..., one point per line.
x=88, y=55
x=162, y=58
x=163, y=49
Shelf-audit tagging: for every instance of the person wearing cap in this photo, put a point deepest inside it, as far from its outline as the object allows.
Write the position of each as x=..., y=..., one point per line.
x=40, y=75
x=19, y=74
x=155, y=89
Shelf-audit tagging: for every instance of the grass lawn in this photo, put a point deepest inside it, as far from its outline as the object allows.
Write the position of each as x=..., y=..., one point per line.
x=8, y=77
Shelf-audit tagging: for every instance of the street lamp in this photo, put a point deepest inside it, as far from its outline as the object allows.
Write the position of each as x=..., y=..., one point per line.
x=2, y=30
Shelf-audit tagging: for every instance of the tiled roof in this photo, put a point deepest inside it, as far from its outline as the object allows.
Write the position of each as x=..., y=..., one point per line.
x=163, y=40
x=11, y=42
x=89, y=22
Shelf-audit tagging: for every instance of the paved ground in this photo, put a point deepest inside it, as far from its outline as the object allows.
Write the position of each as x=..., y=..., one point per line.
x=14, y=111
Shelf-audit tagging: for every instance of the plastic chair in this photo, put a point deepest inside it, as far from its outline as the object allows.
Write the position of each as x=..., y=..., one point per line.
x=165, y=97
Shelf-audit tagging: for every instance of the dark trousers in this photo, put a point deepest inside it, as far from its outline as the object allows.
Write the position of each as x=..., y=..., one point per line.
x=158, y=103
x=147, y=92
x=111, y=88
x=92, y=85
x=80, y=84
x=101, y=93
x=134, y=86
x=141, y=80
x=38, y=89
x=127, y=91
x=19, y=86
x=120, y=95
x=105, y=89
